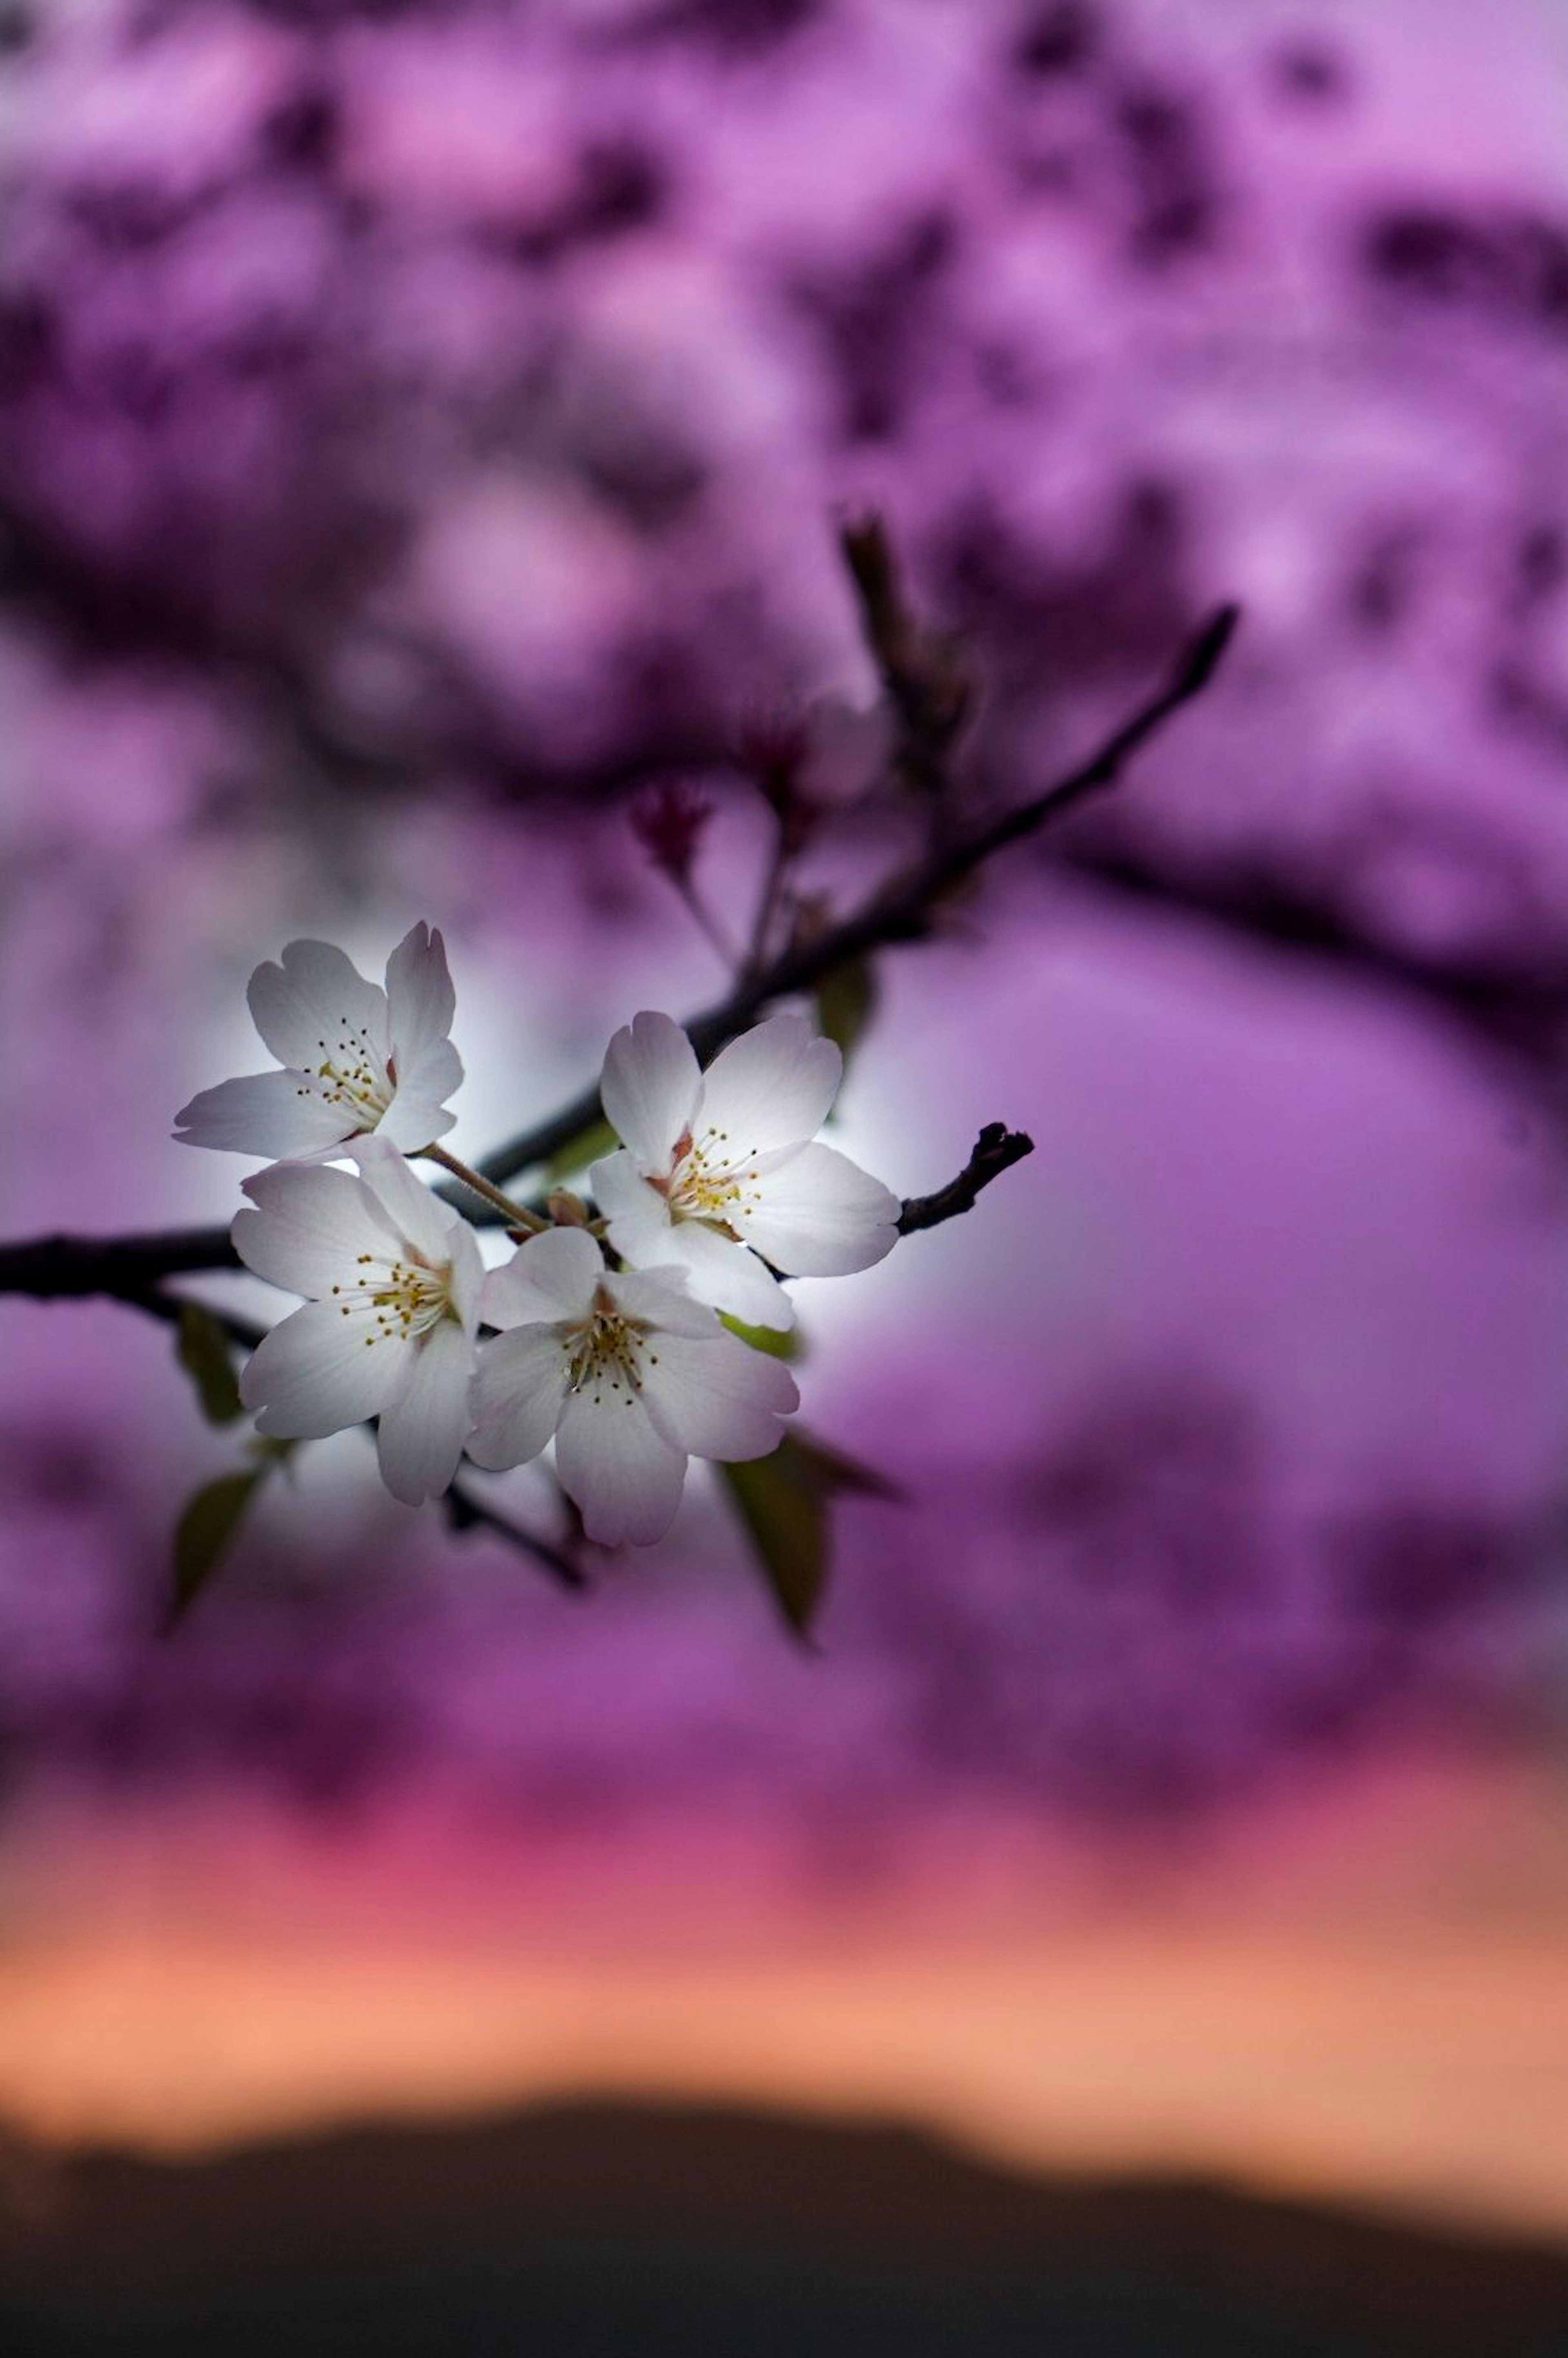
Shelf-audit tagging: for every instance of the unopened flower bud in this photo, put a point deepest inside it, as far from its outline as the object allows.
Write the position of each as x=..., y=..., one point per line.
x=772, y=745
x=668, y=820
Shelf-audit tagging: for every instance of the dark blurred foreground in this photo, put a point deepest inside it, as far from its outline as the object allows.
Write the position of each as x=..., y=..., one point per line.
x=597, y=2231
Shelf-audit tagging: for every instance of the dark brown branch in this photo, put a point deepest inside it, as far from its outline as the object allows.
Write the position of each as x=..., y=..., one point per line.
x=62, y=1265
x=922, y=679
x=996, y=1150
x=1510, y=993
x=900, y=910
x=1191, y=676
x=465, y=1513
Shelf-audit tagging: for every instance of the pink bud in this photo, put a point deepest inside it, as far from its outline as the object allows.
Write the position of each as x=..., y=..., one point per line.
x=668, y=820
x=771, y=744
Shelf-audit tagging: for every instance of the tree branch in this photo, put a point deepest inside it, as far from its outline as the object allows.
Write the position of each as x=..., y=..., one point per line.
x=898, y=911
x=465, y=1513
x=1510, y=993
x=996, y=1150
x=61, y=1265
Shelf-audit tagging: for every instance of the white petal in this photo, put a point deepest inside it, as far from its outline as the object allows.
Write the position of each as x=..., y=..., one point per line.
x=316, y=1373
x=309, y=1227
x=412, y=1121
x=638, y=1215
x=306, y=1008
x=717, y=1399
x=664, y=1298
x=624, y=1475
x=418, y=1111
x=821, y=1215
x=650, y=1088
x=550, y=1277
x=415, y=1211
x=518, y=1395
x=423, y=1429
x=771, y=1087
x=279, y=1115
x=467, y=1274
x=726, y=1275
x=420, y=1000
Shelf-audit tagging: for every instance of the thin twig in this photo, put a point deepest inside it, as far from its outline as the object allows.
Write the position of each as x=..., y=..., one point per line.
x=768, y=901
x=515, y=1216
x=900, y=910
x=465, y=1513
x=996, y=1150
x=922, y=679
x=708, y=925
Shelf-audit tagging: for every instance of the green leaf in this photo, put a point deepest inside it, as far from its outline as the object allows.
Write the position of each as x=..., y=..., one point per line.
x=784, y=1502
x=838, y=1474
x=203, y=1351
x=578, y=1152
x=787, y=1524
x=787, y=1343
x=202, y=1535
x=846, y=1002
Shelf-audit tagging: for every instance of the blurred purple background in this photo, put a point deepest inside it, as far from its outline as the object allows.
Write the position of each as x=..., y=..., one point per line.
x=422, y=426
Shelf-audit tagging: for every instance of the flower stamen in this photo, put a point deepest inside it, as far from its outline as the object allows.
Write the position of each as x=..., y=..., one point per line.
x=358, y=1079
x=707, y=1179
x=403, y=1299
x=604, y=1348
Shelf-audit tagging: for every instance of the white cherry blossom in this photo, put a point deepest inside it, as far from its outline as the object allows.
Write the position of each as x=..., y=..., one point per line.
x=354, y=1057
x=628, y=1373
x=719, y=1168
x=394, y=1277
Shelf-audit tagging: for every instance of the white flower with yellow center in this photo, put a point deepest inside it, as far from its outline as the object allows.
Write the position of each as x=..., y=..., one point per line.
x=355, y=1058
x=719, y=1168
x=394, y=1277
x=627, y=1374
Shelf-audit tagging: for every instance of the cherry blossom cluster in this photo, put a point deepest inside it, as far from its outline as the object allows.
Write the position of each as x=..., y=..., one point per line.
x=602, y=1332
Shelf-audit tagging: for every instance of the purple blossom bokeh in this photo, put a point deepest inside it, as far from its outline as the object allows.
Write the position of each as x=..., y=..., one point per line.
x=423, y=430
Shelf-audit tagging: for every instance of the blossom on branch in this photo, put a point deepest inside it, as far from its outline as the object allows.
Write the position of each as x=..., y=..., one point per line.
x=355, y=1058
x=628, y=1373
x=394, y=1277
x=719, y=1168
